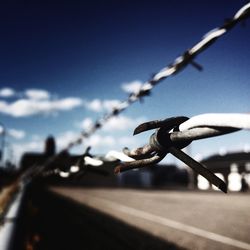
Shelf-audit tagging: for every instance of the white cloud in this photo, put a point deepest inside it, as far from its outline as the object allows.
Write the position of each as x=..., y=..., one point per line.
x=98, y=105
x=17, y=134
x=110, y=104
x=246, y=148
x=66, y=103
x=95, y=105
x=35, y=101
x=7, y=92
x=132, y=87
x=18, y=108
x=65, y=138
x=37, y=94
x=28, y=107
x=86, y=124
x=1, y=129
x=122, y=123
x=116, y=123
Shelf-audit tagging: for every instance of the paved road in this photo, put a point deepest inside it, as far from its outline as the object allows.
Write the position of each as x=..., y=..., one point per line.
x=192, y=220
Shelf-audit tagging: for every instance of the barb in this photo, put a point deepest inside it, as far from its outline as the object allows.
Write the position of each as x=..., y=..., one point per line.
x=163, y=141
x=199, y=168
x=179, y=64
x=139, y=163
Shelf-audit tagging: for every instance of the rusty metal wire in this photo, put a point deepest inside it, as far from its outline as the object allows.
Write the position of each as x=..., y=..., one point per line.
x=169, y=139
x=172, y=69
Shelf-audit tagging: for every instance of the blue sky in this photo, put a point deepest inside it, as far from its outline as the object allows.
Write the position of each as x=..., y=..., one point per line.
x=64, y=64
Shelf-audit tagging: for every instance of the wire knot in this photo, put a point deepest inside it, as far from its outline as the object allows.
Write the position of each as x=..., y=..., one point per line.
x=161, y=140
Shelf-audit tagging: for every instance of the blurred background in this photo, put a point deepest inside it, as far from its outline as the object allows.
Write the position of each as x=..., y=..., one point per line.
x=65, y=64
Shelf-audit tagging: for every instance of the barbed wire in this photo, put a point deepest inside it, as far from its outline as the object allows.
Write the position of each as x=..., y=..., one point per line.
x=172, y=69
x=179, y=63
x=175, y=133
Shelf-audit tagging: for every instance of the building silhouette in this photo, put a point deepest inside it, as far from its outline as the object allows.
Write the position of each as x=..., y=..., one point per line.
x=33, y=159
x=236, y=165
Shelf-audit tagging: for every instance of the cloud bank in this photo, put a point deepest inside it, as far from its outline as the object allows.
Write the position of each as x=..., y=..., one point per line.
x=29, y=107
x=32, y=102
x=7, y=92
x=37, y=94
